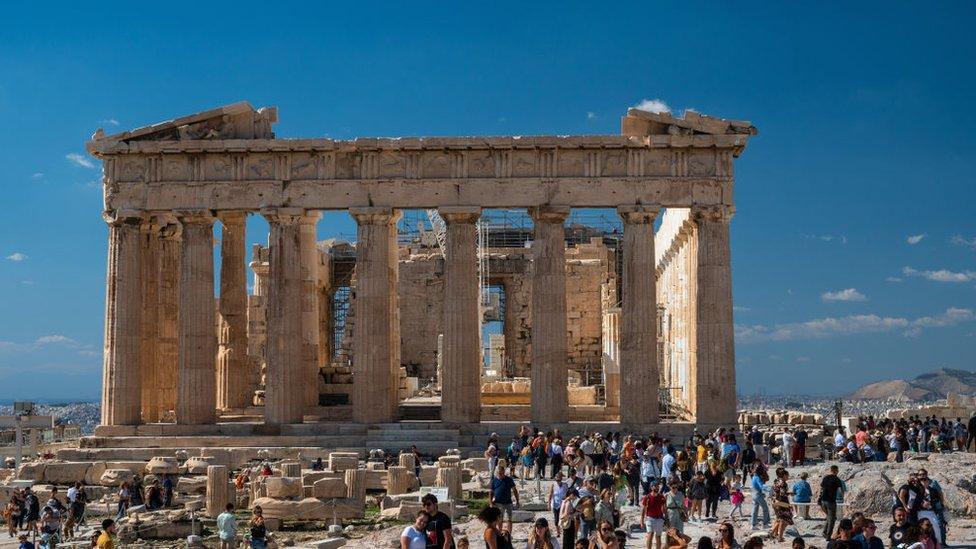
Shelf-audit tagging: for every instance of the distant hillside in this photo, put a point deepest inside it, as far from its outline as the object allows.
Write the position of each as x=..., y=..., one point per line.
x=929, y=386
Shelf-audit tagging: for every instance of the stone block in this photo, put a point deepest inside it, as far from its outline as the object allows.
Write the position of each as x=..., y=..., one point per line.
x=115, y=477
x=192, y=485
x=291, y=469
x=329, y=488
x=94, y=474
x=32, y=470
x=283, y=487
x=310, y=509
x=163, y=465
x=343, y=461
x=328, y=543
x=198, y=465
x=65, y=472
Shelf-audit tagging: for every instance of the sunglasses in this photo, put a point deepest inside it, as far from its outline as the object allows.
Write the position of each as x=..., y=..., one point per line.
x=606, y=529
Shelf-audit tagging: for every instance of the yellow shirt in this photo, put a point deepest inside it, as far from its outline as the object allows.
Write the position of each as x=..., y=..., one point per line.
x=702, y=453
x=105, y=541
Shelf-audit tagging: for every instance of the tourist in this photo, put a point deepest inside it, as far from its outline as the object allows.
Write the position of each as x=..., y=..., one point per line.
x=931, y=502
x=755, y=542
x=33, y=507
x=829, y=488
x=414, y=536
x=705, y=542
x=93, y=541
x=416, y=462
x=652, y=515
x=798, y=543
x=786, y=455
x=500, y=495
x=603, y=537
x=438, y=529
x=971, y=430
x=586, y=507
x=758, y=485
x=168, y=489
x=621, y=536
x=526, y=460
x=910, y=497
x=713, y=489
x=676, y=539
x=106, y=540
x=844, y=535
x=568, y=517
x=154, y=496
x=557, y=493
x=495, y=537
x=125, y=500
x=781, y=504
x=259, y=531
x=748, y=460
x=726, y=537
x=800, y=446
x=803, y=495
x=927, y=534
x=605, y=509
x=24, y=542
x=540, y=537
x=901, y=532
x=227, y=528
x=492, y=452
x=675, y=502
x=736, y=498
x=696, y=494
x=50, y=526
x=11, y=514
x=555, y=457
x=866, y=537
x=630, y=469
x=649, y=471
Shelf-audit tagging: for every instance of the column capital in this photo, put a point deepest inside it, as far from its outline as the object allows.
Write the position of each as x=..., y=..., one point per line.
x=638, y=214
x=283, y=216
x=375, y=215
x=721, y=213
x=202, y=217
x=232, y=216
x=311, y=217
x=460, y=214
x=123, y=217
x=549, y=214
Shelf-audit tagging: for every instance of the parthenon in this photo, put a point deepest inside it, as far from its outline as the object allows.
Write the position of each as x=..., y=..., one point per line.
x=177, y=354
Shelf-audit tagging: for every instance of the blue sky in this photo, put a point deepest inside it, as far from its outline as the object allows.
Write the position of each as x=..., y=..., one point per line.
x=866, y=139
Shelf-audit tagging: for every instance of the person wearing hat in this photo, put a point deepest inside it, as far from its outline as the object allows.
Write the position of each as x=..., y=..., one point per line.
x=541, y=536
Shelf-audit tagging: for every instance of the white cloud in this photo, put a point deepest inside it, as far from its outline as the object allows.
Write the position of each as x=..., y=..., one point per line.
x=848, y=325
x=16, y=256
x=653, y=105
x=915, y=238
x=850, y=294
x=827, y=237
x=591, y=115
x=55, y=339
x=942, y=275
x=80, y=160
x=959, y=240
x=37, y=175
x=773, y=357
x=110, y=122
x=88, y=352
x=893, y=279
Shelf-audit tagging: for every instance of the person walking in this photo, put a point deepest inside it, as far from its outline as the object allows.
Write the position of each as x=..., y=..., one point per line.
x=675, y=503
x=758, y=485
x=829, y=488
x=500, y=495
x=557, y=493
x=227, y=528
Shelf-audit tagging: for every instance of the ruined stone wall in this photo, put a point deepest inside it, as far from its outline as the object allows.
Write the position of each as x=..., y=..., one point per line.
x=421, y=293
x=587, y=270
x=674, y=251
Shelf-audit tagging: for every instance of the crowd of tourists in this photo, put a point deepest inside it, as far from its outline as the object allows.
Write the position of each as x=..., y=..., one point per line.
x=46, y=526
x=874, y=440
x=676, y=482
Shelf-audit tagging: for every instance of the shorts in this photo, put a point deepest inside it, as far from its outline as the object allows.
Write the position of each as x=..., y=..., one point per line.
x=654, y=525
x=506, y=509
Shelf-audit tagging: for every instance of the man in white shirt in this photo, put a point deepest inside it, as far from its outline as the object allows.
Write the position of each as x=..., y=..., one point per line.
x=787, y=455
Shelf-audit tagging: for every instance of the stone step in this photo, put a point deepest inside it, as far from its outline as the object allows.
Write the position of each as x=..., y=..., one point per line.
x=254, y=441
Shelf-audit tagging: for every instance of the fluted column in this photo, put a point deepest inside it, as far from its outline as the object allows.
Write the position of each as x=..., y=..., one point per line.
x=376, y=344
x=549, y=332
x=149, y=244
x=168, y=326
x=461, y=383
x=714, y=335
x=121, y=391
x=232, y=386
x=310, y=307
x=285, y=379
x=639, y=377
x=196, y=385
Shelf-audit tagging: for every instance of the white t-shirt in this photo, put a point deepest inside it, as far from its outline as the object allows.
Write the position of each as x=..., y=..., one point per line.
x=418, y=540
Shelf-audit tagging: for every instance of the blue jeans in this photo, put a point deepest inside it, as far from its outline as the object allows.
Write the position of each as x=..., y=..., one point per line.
x=759, y=502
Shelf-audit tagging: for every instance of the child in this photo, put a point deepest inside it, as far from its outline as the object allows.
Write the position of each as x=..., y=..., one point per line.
x=736, y=497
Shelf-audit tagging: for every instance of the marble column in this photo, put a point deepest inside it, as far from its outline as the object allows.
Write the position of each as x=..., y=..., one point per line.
x=121, y=380
x=376, y=345
x=149, y=244
x=310, y=306
x=714, y=343
x=167, y=340
x=232, y=378
x=461, y=383
x=549, y=333
x=196, y=384
x=639, y=377
x=285, y=379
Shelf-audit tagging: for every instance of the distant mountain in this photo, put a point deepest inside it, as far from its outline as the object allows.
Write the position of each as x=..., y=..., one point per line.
x=929, y=386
